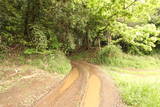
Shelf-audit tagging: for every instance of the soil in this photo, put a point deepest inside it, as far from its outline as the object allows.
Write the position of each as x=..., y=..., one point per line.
x=21, y=87
x=85, y=86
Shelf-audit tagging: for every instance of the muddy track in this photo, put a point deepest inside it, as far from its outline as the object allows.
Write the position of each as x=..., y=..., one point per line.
x=85, y=86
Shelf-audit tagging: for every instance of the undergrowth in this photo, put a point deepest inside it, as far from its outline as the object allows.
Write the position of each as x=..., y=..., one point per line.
x=55, y=62
x=132, y=61
x=114, y=57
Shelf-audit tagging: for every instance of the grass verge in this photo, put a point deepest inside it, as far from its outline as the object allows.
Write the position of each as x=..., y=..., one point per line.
x=137, y=77
x=56, y=62
x=132, y=61
x=122, y=61
x=138, y=91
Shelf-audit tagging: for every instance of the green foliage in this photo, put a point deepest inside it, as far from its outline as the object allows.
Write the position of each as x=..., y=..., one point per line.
x=30, y=51
x=155, y=19
x=120, y=59
x=141, y=62
x=55, y=62
x=69, y=25
x=130, y=61
x=53, y=42
x=11, y=21
x=135, y=40
x=110, y=51
x=33, y=51
x=39, y=40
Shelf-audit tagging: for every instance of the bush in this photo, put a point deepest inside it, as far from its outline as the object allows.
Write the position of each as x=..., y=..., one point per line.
x=53, y=62
x=110, y=51
x=135, y=40
x=39, y=40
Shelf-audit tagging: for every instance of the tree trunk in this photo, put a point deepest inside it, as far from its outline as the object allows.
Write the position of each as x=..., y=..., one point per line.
x=26, y=22
x=109, y=38
x=86, y=41
x=31, y=16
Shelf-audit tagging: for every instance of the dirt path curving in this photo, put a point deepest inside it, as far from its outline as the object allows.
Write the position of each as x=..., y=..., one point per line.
x=85, y=86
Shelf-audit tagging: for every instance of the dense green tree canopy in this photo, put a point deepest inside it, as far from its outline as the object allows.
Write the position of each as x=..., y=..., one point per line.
x=40, y=25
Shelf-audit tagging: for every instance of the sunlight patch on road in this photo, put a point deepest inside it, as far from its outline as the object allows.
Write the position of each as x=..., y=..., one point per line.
x=92, y=97
x=69, y=80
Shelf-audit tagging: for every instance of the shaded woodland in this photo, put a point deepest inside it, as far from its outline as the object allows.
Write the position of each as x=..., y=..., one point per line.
x=37, y=26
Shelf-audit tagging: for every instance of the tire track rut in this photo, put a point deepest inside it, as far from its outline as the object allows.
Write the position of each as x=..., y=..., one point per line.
x=85, y=86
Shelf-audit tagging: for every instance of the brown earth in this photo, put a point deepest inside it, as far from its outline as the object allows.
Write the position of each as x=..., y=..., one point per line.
x=85, y=86
x=22, y=86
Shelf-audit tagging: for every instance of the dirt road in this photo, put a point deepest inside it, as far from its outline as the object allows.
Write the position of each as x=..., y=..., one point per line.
x=85, y=86
x=23, y=88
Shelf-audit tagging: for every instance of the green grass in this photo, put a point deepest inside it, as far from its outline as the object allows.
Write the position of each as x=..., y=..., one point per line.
x=56, y=62
x=132, y=61
x=138, y=91
x=123, y=61
x=137, y=77
x=133, y=71
x=53, y=63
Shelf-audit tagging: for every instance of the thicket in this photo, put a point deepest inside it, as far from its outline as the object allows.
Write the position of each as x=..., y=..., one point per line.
x=38, y=26
x=108, y=52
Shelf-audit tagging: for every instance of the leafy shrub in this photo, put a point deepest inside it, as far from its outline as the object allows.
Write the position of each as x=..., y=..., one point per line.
x=53, y=42
x=135, y=40
x=30, y=51
x=54, y=62
x=69, y=45
x=57, y=63
x=2, y=52
x=39, y=38
x=107, y=52
x=111, y=51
